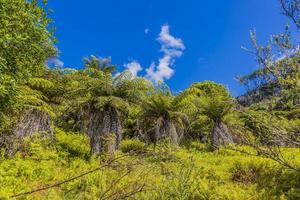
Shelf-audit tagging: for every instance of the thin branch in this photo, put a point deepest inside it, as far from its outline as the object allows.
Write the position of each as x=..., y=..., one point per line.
x=46, y=187
x=290, y=12
x=114, y=183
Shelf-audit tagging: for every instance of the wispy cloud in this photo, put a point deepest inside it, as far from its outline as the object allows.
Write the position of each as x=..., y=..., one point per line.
x=172, y=48
x=134, y=67
x=200, y=59
x=55, y=62
x=146, y=30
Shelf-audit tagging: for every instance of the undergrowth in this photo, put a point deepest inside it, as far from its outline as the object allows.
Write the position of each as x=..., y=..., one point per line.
x=142, y=172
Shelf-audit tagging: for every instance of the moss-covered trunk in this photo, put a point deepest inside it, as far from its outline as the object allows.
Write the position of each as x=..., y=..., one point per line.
x=102, y=125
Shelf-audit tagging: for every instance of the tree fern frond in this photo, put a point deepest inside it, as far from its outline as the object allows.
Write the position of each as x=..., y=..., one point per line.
x=122, y=78
x=29, y=98
x=111, y=101
x=40, y=83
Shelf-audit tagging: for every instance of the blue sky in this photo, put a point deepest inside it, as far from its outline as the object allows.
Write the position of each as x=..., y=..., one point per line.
x=178, y=41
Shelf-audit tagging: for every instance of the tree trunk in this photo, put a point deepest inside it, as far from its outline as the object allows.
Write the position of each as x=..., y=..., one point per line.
x=173, y=133
x=139, y=132
x=220, y=135
x=165, y=129
x=101, y=125
x=31, y=121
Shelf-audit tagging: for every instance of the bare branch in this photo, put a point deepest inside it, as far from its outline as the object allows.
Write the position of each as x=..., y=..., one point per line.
x=291, y=8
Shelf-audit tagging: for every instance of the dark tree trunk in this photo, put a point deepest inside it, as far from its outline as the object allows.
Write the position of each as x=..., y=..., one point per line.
x=82, y=121
x=220, y=135
x=30, y=122
x=101, y=126
x=139, y=132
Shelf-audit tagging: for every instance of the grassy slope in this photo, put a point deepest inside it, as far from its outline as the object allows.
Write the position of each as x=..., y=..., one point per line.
x=166, y=173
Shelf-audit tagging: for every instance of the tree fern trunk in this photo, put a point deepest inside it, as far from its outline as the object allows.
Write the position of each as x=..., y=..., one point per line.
x=101, y=125
x=220, y=135
x=166, y=130
x=173, y=133
x=31, y=121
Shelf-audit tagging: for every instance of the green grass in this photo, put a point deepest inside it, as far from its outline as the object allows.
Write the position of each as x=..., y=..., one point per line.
x=167, y=172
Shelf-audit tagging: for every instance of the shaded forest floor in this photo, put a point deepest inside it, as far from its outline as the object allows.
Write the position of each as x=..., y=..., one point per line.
x=138, y=171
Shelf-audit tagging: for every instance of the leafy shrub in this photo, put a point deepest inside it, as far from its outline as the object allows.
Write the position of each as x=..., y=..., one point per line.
x=197, y=146
x=246, y=173
x=268, y=177
x=75, y=144
x=288, y=183
x=132, y=145
x=181, y=181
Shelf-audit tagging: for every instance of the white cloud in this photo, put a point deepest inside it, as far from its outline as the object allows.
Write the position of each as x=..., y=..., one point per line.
x=172, y=48
x=167, y=40
x=146, y=31
x=55, y=62
x=134, y=67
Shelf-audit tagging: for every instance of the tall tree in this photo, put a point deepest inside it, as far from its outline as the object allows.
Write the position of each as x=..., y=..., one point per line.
x=161, y=117
x=100, y=100
x=213, y=101
x=99, y=64
x=291, y=8
x=274, y=119
x=25, y=43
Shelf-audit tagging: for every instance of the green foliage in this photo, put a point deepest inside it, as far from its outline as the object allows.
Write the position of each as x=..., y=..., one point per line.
x=97, y=92
x=197, y=146
x=77, y=98
x=212, y=99
x=193, y=174
x=158, y=105
x=75, y=144
x=133, y=146
x=265, y=174
x=160, y=113
x=247, y=173
x=8, y=92
x=29, y=98
x=132, y=122
x=207, y=104
x=266, y=127
x=25, y=41
x=94, y=64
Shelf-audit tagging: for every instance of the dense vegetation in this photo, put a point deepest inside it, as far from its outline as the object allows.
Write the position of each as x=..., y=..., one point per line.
x=93, y=134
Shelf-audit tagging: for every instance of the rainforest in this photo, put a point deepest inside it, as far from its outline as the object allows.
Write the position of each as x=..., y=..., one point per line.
x=98, y=133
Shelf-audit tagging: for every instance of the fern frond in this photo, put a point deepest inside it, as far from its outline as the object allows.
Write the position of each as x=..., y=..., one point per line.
x=112, y=101
x=122, y=78
x=29, y=98
x=40, y=83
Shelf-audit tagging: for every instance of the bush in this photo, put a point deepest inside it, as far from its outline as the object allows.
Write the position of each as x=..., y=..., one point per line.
x=132, y=145
x=246, y=173
x=197, y=146
x=75, y=144
x=267, y=177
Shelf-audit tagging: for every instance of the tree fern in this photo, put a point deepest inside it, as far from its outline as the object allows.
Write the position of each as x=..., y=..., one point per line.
x=29, y=98
x=39, y=83
x=161, y=119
